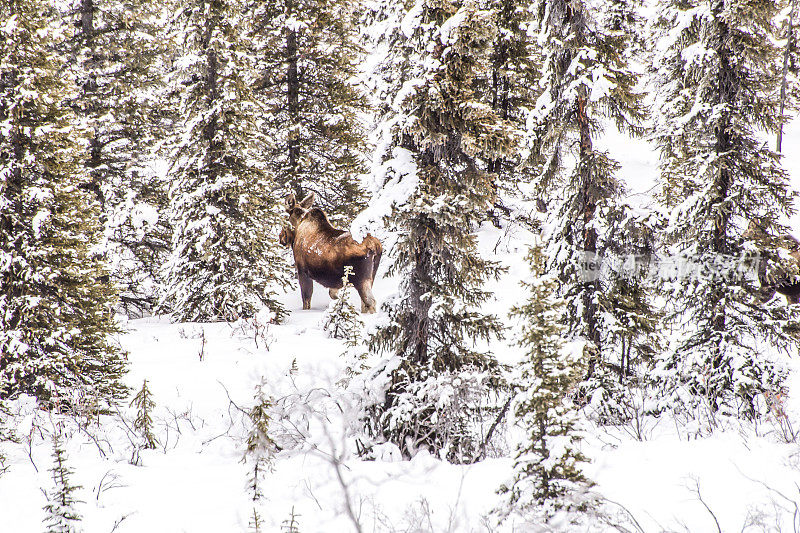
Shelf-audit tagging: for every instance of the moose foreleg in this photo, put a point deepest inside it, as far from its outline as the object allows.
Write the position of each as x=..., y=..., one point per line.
x=333, y=293
x=306, y=289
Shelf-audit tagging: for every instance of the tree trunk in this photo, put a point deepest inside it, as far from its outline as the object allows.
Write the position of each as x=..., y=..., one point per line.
x=588, y=202
x=293, y=104
x=210, y=130
x=787, y=50
x=89, y=90
x=727, y=84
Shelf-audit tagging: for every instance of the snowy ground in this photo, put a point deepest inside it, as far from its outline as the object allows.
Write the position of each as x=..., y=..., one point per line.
x=204, y=376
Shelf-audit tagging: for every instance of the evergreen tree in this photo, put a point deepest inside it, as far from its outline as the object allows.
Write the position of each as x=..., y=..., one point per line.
x=308, y=57
x=547, y=466
x=143, y=423
x=623, y=18
x=119, y=50
x=62, y=517
x=342, y=320
x=585, y=80
x=434, y=324
x=717, y=83
x=6, y=434
x=790, y=85
x=260, y=446
x=631, y=322
x=55, y=312
x=226, y=262
x=512, y=89
x=255, y=522
x=291, y=524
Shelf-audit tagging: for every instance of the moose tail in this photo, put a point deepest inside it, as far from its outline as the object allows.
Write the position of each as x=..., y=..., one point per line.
x=374, y=250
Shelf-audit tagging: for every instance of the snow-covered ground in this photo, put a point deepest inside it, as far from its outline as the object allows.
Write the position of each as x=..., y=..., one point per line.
x=204, y=378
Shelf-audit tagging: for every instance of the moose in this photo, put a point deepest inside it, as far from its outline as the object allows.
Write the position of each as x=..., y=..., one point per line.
x=321, y=252
x=782, y=282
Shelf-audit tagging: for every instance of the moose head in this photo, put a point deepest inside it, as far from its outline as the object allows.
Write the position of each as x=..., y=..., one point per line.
x=755, y=231
x=297, y=210
x=286, y=236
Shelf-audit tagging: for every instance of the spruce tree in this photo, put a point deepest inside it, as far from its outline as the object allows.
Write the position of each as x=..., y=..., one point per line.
x=717, y=76
x=260, y=450
x=790, y=85
x=585, y=81
x=55, y=310
x=547, y=464
x=342, y=319
x=6, y=434
x=260, y=446
x=512, y=89
x=143, y=423
x=308, y=57
x=434, y=326
x=632, y=333
x=255, y=523
x=291, y=524
x=62, y=516
x=119, y=51
x=226, y=262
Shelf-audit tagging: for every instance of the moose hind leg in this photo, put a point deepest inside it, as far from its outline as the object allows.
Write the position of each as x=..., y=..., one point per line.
x=306, y=289
x=368, y=303
x=766, y=293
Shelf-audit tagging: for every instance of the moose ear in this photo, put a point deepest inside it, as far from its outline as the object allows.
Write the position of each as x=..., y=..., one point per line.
x=290, y=202
x=308, y=201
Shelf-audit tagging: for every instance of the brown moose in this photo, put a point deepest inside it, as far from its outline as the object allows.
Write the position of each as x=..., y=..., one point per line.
x=321, y=252
x=782, y=282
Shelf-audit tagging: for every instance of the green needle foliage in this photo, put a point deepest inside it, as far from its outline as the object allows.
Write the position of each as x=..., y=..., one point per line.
x=61, y=515
x=120, y=49
x=226, y=262
x=547, y=467
x=143, y=423
x=308, y=56
x=342, y=319
x=717, y=75
x=55, y=303
x=435, y=325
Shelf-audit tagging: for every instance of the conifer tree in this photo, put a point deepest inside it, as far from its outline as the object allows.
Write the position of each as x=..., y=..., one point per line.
x=260, y=446
x=55, y=312
x=62, y=516
x=291, y=524
x=342, y=319
x=717, y=76
x=119, y=51
x=790, y=85
x=512, y=85
x=624, y=19
x=585, y=80
x=255, y=522
x=226, y=262
x=143, y=423
x=308, y=57
x=547, y=466
x=632, y=323
x=434, y=324
x=6, y=434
